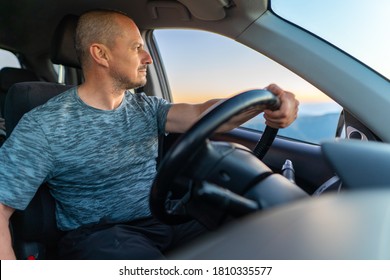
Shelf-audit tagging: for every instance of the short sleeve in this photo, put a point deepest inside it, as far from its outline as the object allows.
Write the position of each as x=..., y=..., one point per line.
x=162, y=115
x=25, y=163
x=160, y=109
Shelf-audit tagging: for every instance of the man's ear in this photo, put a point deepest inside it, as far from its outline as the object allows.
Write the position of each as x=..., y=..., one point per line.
x=99, y=54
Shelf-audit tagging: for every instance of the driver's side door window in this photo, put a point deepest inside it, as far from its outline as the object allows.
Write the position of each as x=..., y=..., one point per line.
x=202, y=65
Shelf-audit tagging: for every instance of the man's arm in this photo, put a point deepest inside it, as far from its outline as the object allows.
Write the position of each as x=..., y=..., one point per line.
x=182, y=116
x=6, y=251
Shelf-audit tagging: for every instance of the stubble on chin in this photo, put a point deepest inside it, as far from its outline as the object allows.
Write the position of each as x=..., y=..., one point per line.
x=121, y=83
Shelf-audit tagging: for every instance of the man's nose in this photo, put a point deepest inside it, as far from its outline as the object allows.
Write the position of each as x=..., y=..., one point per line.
x=147, y=59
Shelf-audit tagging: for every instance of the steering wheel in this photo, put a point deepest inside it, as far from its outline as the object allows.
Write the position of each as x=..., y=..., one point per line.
x=192, y=143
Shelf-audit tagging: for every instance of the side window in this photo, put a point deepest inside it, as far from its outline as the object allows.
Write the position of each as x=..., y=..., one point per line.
x=202, y=65
x=8, y=59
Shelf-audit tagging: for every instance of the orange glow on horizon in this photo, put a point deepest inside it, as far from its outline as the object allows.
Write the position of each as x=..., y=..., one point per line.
x=194, y=98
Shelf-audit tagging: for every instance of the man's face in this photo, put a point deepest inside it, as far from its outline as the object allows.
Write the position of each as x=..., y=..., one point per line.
x=129, y=59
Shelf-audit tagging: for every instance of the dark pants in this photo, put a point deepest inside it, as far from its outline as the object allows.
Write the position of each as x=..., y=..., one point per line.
x=139, y=239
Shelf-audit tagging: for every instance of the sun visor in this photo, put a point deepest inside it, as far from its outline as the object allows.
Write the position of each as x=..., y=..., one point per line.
x=207, y=9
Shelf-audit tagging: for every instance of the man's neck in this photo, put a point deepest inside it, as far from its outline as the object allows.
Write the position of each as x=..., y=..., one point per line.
x=103, y=98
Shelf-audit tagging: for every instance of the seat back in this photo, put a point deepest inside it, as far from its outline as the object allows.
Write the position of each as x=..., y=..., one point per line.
x=34, y=230
x=23, y=97
x=10, y=76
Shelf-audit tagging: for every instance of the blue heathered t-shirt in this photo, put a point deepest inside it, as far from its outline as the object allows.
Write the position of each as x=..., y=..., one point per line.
x=98, y=164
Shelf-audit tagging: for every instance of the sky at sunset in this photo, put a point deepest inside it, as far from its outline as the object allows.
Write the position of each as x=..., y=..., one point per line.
x=221, y=67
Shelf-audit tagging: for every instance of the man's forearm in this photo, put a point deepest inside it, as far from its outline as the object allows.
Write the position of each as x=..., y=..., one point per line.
x=6, y=251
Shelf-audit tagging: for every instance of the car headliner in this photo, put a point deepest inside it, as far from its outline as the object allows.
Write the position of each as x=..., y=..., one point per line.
x=27, y=26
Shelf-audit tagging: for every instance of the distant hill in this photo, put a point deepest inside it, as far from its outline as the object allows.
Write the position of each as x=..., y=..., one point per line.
x=310, y=128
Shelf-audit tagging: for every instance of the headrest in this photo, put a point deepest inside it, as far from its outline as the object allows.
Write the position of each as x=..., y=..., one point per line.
x=22, y=97
x=10, y=76
x=62, y=49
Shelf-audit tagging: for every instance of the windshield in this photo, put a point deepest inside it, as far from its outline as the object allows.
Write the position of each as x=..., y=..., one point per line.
x=359, y=27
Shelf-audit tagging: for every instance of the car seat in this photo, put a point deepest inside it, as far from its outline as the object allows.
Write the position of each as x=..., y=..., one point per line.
x=34, y=230
x=8, y=77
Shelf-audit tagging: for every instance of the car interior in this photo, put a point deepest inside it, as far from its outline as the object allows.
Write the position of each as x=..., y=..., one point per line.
x=266, y=215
